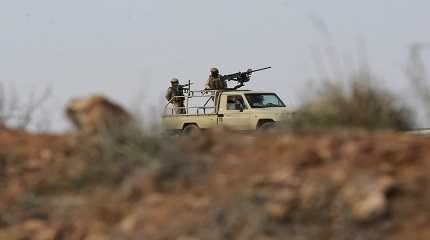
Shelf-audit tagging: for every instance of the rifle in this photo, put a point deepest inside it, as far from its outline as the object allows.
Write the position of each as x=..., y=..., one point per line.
x=242, y=77
x=185, y=88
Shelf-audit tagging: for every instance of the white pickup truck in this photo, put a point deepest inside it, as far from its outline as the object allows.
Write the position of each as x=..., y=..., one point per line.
x=237, y=109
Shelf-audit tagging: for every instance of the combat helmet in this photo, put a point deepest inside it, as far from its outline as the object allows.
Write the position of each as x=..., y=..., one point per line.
x=214, y=70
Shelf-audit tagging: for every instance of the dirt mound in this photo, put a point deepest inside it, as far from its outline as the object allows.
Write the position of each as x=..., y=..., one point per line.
x=218, y=185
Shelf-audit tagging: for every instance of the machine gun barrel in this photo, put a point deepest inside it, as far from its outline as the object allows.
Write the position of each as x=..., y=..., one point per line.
x=258, y=70
x=242, y=76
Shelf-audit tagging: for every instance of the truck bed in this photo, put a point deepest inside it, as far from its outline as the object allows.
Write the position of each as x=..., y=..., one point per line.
x=178, y=122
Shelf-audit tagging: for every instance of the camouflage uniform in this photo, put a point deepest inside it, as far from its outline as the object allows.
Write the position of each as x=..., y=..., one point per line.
x=175, y=91
x=215, y=81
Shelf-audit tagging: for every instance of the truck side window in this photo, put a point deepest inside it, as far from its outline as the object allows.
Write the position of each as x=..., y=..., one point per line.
x=234, y=102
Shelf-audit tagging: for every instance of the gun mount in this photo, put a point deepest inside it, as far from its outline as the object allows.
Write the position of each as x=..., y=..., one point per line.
x=242, y=77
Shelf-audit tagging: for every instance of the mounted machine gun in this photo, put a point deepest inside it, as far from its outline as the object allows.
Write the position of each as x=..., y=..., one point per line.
x=242, y=77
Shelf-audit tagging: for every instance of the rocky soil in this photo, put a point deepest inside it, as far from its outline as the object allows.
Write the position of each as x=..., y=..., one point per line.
x=216, y=185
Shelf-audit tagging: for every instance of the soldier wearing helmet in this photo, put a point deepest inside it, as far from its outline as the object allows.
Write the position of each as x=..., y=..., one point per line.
x=175, y=95
x=215, y=81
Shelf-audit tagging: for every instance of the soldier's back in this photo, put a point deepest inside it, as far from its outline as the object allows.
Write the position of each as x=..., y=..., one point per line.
x=216, y=83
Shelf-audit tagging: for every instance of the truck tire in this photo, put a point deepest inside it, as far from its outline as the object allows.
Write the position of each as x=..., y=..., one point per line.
x=267, y=126
x=190, y=128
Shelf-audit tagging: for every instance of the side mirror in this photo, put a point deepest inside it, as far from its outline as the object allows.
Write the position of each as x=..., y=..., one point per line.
x=241, y=108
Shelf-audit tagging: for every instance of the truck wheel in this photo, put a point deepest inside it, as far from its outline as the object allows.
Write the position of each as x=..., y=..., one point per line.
x=267, y=126
x=191, y=128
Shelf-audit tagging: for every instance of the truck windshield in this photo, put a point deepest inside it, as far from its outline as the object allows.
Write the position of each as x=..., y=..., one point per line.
x=264, y=100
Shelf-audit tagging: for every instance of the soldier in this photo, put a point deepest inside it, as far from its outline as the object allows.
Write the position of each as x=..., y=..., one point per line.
x=175, y=95
x=216, y=81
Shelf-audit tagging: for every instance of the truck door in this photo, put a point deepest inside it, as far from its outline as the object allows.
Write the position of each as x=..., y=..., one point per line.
x=233, y=112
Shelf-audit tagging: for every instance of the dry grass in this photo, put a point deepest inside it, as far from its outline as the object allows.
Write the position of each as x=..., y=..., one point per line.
x=23, y=112
x=124, y=151
x=360, y=104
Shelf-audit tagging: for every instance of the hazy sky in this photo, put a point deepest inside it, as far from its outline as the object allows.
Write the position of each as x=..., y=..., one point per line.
x=123, y=48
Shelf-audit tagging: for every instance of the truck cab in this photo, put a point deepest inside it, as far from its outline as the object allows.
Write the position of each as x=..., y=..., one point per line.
x=242, y=110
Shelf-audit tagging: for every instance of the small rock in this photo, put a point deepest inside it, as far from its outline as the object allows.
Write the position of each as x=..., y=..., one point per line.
x=368, y=198
x=371, y=207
